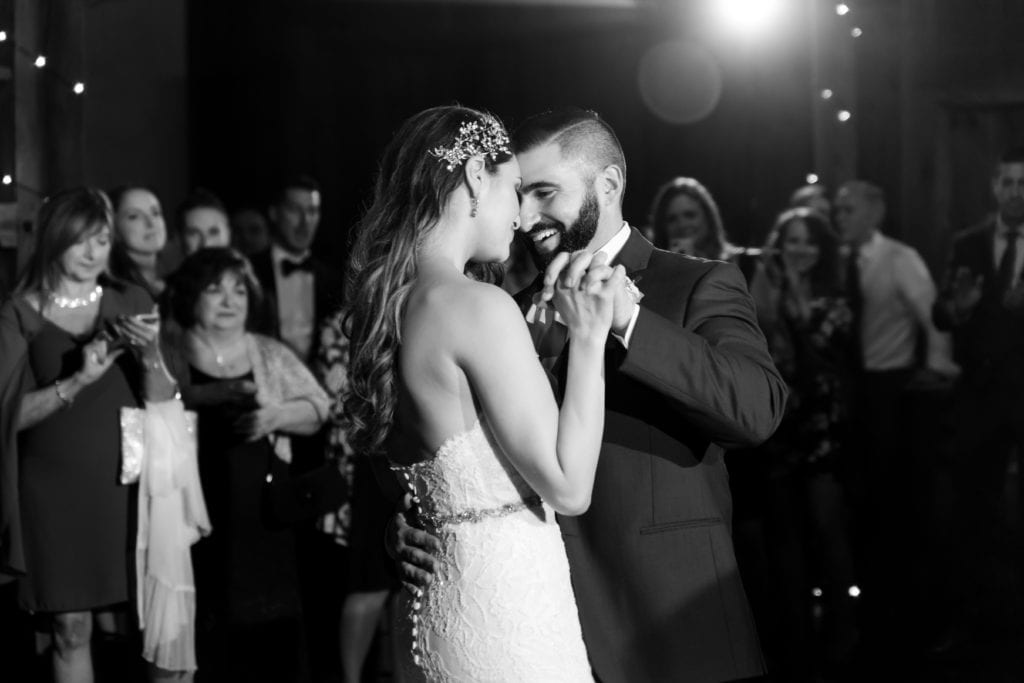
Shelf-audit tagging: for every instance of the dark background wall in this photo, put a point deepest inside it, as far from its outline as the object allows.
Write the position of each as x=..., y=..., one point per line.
x=320, y=86
x=236, y=94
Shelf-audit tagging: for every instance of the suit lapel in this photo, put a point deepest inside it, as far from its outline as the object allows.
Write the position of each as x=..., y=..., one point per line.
x=634, y=255
x=984, y=249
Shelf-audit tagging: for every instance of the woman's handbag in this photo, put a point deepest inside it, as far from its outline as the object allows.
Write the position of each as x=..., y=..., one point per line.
x=133, y=440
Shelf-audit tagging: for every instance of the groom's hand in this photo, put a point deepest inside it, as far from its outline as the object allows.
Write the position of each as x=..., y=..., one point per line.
x=413, y=548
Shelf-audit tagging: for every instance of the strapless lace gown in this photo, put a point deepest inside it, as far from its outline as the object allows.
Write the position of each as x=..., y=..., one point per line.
x=501, y=607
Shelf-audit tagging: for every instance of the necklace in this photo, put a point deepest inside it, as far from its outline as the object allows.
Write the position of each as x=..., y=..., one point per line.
x=218, y=356
x=92, y=297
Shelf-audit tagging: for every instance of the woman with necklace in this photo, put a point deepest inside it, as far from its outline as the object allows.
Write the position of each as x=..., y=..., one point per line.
x=64, y=378
x=251, y=393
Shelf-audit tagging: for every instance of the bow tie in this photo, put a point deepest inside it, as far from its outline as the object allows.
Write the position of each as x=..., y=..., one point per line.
x=288, y=266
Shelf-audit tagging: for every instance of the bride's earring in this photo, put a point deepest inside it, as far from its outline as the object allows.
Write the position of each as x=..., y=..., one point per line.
x=475, y=205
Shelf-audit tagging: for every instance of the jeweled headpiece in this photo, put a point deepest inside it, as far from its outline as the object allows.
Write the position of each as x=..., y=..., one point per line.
x=485, y=136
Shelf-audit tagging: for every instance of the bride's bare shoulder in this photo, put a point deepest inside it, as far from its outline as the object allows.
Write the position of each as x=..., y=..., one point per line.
x=458, y=305
x=458, y=298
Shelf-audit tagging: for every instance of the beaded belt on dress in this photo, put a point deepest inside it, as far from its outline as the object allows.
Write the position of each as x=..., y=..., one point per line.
x=473, y=516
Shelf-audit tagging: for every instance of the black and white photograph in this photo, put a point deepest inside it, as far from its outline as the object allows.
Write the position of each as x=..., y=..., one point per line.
x=511, y=341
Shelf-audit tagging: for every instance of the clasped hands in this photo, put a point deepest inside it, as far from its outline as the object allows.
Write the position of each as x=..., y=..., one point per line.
x=586, y=290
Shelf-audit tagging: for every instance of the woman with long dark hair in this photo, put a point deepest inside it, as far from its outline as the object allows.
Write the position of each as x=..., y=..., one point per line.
x=445, y=380
x=139, y=235
x=807, y=321
x=685, y=219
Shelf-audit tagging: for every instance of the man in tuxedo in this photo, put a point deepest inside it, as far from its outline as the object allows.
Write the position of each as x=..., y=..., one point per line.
x=982, y=303
x=688, y=373
x=299, y=293
x=299, y=290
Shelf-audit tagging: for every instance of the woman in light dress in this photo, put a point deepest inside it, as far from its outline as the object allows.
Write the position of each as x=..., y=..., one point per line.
x=445, y=381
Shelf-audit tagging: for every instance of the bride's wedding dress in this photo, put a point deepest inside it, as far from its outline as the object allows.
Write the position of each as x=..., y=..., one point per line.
x=501, y=607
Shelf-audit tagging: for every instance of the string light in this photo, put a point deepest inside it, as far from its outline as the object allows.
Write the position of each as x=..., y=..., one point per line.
x=812, y=178
x=40, y=61
x=856, y=32
x=816, y=592
x=854, y=591
x=7, y=180
x=826, y=94
x=843, y=115
x=842, y=9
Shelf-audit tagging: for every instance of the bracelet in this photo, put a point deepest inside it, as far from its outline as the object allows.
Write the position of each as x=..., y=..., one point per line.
x=63, y=397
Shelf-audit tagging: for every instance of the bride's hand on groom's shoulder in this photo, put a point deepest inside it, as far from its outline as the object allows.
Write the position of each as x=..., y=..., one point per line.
x=414, y=549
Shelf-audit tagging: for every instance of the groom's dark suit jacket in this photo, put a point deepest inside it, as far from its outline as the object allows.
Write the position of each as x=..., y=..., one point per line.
x=652, y=560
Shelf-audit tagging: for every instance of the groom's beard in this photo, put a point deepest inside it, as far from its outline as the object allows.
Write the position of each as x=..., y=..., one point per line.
x=577, y=236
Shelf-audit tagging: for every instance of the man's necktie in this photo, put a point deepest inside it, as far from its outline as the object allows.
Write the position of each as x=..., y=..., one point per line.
x=1005, y=276
x=288, y=266
x=855, y=298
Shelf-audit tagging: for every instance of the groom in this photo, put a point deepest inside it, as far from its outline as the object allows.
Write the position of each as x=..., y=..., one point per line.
x=687, y=374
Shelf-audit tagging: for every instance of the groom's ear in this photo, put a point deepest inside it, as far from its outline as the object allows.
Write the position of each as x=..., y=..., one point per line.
x=475, y=171
x=609, y=184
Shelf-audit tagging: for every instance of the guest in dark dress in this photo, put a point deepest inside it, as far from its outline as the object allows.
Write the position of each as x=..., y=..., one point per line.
x=360, y=522
x=251, y=393
x=807, y=322
x=65, y=516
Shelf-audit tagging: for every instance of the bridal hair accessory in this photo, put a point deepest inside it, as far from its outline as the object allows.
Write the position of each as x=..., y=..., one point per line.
x=77, y=302
x=486, y=136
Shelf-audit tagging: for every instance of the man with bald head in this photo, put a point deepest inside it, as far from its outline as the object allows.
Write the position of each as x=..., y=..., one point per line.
x=687, y=372
x=891, y=293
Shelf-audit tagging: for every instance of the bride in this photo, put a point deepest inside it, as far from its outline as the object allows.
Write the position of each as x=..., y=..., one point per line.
x=445, y=381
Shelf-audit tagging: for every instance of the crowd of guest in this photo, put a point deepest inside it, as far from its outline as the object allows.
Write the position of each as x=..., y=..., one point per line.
x=283, y=544
x=874, y=526
x=99, y=325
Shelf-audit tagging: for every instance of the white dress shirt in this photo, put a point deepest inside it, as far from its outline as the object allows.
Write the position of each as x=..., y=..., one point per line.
x=611, y=248
x=898, y=293
x=295, y=302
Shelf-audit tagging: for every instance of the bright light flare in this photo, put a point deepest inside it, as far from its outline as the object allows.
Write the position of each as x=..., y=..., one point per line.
x=747, y=16
x=7, y=179
x=40, y=62
x=853, y=591
x=78, y=88
x=3, y=36
x=842, y=9
x=812, y=178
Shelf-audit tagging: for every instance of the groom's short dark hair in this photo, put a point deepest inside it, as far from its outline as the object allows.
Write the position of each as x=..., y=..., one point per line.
x=580, y=133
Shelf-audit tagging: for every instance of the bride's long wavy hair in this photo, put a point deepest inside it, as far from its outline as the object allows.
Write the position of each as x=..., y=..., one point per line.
x=411, y=191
